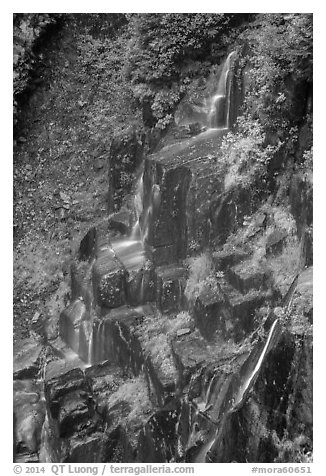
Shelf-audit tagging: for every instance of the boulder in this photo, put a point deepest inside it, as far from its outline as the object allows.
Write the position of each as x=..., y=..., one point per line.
x=27, y=359
x=108, y=278
x=29, y=414
x=212, y=313
x=171, y=282
x=248, y=275
x=276, y=241
x=226, y=258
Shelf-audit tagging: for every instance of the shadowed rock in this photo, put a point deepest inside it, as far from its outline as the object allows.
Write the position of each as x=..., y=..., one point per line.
x=171, y=283
x=108, y=278
x=212, y=313
x=27, y=359
x=248, y=275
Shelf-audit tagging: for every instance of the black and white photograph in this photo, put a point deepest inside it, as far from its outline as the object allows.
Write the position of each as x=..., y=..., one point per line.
x=162, y=241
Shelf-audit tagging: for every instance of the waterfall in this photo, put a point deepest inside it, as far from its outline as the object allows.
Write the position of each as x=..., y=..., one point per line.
x=91, y=346
x=138, y=204
x=252, y=376
x=239, y=398
x=219, y=105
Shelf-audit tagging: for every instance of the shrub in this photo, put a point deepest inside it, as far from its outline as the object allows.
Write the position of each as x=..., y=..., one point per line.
x=292, y=450
x=202, y=276
x=28, y=29
x=245, y=152
x=135, y=393
x=163, y=55
x=280, y=48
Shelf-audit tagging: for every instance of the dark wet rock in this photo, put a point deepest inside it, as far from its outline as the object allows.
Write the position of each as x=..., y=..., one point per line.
x=69, y=323
x=157, y=441
x=307, y=247
x=27, y=359
x=212, y=313
x=301, y=200
x=113, y=340
x=171, y=282
x=229, y=209
x=141, y=284
x=279, y=400
x=60, y=386
x=87, y=449
x=242, y=308
x=70, y=403
x=168, y=225
x=29, y=414
x=275, y=241
x=191, y=353
x=164, y=255
x=108, y=278
x=61, y=360
x=87, y=245
x=74, y=412
x=248, y=275
x=185, y=182
x=125, y=156
x=227, y=258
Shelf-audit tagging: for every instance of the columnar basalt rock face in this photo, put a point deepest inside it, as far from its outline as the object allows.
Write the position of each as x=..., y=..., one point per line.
x=109, y=281
x=171, y=282
x=183, y=175
x=82, y=425
x=153, y=377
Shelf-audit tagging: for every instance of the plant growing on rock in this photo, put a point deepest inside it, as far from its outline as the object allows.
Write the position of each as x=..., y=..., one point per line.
x=28, y=29
x=245, y=152
x=202, y=276
x=163, y=54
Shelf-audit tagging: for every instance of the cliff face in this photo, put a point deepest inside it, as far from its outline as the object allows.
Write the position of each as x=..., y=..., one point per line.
x=188, y=335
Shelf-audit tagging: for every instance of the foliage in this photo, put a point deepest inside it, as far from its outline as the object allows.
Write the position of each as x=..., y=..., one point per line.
x=202, y=276
x=157, y=332
x=278, y=69
x=134, y=392
x=67, y=126
x=163, y=53
x=28, y=29
x=296, y=450
x=245, y=152
x=280, y=48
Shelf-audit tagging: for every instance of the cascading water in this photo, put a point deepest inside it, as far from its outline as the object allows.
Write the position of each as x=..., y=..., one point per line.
x=131, y=250
x=138, y=205
x=219, y=105
x=238, y=399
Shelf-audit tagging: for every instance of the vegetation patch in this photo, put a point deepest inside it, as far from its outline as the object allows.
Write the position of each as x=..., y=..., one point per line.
x=202, y=276
x=135, y=393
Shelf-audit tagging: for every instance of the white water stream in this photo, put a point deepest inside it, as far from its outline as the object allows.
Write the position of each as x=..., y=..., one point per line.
x=239, y=399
